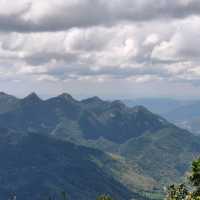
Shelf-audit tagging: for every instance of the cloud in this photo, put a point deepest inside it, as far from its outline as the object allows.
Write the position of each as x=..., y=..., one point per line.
x=125, y=51
x=98, y=41
x=59, y=15
x=183, y=43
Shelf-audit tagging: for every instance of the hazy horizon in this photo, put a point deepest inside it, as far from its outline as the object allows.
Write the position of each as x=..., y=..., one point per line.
x=109, y=98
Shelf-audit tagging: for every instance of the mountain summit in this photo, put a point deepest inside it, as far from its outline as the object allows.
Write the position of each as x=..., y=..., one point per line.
x=67, y=97
x=32, y=98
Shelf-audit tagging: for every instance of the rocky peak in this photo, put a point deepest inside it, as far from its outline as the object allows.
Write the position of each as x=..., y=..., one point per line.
x=32, y=98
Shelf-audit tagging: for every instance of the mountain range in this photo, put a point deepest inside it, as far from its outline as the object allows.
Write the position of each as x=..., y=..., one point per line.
x=158, y=105
x=187, y=116
x=183, y=113
x=89, y=147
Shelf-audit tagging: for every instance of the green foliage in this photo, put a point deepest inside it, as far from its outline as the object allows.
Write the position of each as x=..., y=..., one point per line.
x=104, y=197
x=177, y=192
x=195, y=177
x=181, y=192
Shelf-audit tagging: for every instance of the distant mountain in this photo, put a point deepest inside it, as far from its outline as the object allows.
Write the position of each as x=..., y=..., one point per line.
x=149, y=151
x=34, y=166
x=157, y=105
x=184, y=113
x=187, y=117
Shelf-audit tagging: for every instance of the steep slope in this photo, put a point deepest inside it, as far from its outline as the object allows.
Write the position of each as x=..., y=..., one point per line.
x=90, y=119
x=164, y=155
x=119, y=123
x=34, y=165
x=7, y=102
x=156, y=105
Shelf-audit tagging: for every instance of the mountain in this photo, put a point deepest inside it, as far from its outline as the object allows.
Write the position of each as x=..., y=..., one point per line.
x=183, y=113
x=187, y=117
x=7, y=102
x=91, y=119
x=164, y=155
x=34, y=114
x=149, y=152
x=158, y=105
x=35, y=165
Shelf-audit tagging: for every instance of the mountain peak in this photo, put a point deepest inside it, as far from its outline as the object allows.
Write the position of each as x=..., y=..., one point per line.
x=118, y=104
x=140, y=109
x=67, y=97
x=94, y=99
x=33, y=95
x=32, y=98
x=3, y=94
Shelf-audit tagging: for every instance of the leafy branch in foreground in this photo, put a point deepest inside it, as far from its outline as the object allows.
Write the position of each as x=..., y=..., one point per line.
x=177, y=192
x=184, y=192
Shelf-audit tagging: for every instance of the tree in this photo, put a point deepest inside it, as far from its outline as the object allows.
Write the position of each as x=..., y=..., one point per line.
x=177, y=192
x=195, y=177
x=181, y=192
x=104, y=197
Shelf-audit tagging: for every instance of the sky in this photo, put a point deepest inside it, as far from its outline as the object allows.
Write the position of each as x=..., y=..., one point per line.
x=113, y=49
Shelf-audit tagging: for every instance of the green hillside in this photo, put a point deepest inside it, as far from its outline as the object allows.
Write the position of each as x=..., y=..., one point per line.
x=34, y=166
x=146, y=151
